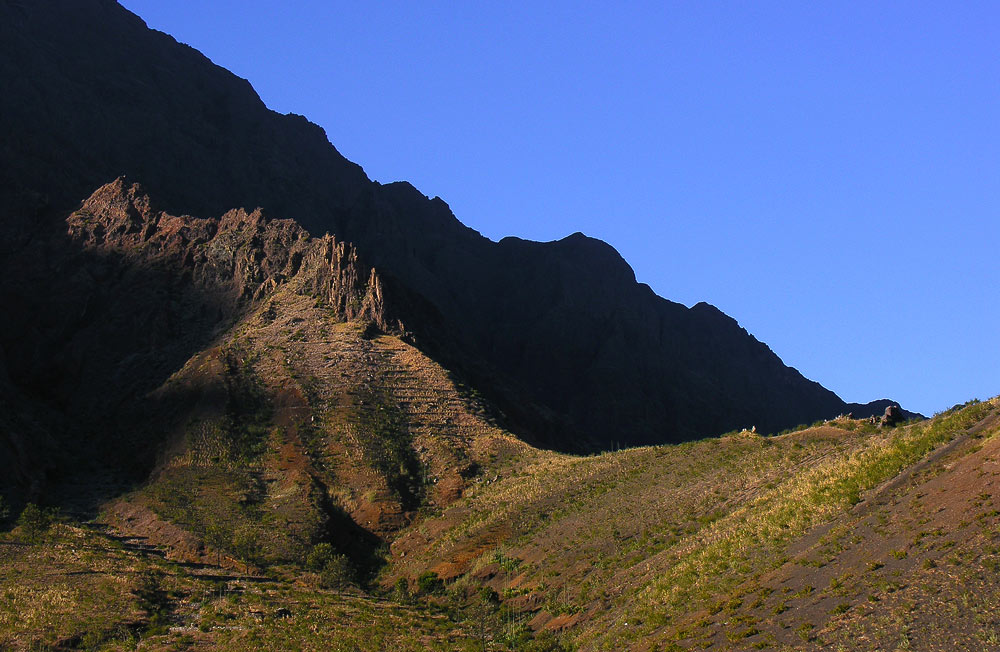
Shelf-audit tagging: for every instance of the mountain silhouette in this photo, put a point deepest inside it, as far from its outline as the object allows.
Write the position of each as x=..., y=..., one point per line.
x=574, y=354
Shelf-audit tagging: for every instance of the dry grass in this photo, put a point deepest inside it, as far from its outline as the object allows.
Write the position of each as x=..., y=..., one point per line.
x=80, y=589
x=650, y=544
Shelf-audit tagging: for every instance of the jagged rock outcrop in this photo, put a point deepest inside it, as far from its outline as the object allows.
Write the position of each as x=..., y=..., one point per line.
x=893, y=417
x=877, y=409
x=238, y=259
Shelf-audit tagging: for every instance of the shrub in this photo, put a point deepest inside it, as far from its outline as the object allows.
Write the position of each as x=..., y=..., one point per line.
x=335, y=570
x=34, y=522
x=429, y=583
x=245, y=545
x=319, y=556
x=338, y=573
x=489, y=596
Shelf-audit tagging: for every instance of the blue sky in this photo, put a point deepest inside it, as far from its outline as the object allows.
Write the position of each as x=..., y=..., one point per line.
x=826, y=173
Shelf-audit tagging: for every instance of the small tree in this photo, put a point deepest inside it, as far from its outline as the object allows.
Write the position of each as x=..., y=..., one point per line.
x=401, y=590
x=484, y=611
x=338, y=573
x=216, y=537
x=489, y=597
x=34, y=522
x=4, y=510
x=335, y=570
x=246, y=546
x=319, y=556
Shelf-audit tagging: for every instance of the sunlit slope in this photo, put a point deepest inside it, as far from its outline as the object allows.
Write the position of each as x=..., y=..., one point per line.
x=81, y=590
x=804, y=539
x=300, y=428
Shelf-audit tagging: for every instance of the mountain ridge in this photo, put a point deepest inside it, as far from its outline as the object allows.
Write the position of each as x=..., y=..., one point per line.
x=558, y=335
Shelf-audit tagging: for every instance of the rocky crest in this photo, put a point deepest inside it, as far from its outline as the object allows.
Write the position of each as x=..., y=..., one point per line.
x=239, y=258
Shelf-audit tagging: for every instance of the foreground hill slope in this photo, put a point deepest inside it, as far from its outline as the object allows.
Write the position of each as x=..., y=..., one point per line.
x=840, y=536
x=559, y=335
x=78, y=588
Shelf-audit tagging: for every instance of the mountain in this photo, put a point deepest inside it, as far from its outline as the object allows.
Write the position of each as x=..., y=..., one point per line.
x=573, y=352
x=235, y=379
x=281, y=406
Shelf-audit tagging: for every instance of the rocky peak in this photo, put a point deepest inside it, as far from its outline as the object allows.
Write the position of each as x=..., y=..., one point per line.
x=240, y=257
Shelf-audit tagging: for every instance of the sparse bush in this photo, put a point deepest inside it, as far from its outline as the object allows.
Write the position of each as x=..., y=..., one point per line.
x=246, y=545
x=429, y=583
x=320, y=555
x=34, y=522
x=489, y=596
x=338, y=573
x=335, y=570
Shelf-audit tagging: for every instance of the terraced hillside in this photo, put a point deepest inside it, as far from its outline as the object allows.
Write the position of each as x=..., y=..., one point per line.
x=319, y=429
x=77, y=588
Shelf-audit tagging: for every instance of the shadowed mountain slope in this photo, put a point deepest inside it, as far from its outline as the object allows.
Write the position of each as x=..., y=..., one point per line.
x=558, y=335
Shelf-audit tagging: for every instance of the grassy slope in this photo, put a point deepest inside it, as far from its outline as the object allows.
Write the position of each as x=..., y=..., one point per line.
x=79, y=589
x=671, y=546
x=824, y=538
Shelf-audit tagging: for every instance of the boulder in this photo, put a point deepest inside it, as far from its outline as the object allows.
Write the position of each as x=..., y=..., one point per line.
x=893, y=416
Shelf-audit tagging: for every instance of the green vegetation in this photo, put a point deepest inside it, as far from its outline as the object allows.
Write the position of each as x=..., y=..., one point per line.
x=79, y=589
x=34, y=522
x=639, y=540
x=429, y=583
x=335, y=569
x=388, y=446
x=310, y=458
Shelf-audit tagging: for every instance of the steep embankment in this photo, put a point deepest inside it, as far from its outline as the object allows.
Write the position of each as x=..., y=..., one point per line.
x=835, y=535
x=559, y=335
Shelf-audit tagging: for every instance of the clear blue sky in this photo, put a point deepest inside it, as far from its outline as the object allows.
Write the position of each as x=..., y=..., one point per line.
x=826, y=173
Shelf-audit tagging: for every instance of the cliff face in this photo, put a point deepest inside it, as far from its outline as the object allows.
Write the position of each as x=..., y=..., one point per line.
x=238, y=259
x=559, y=335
